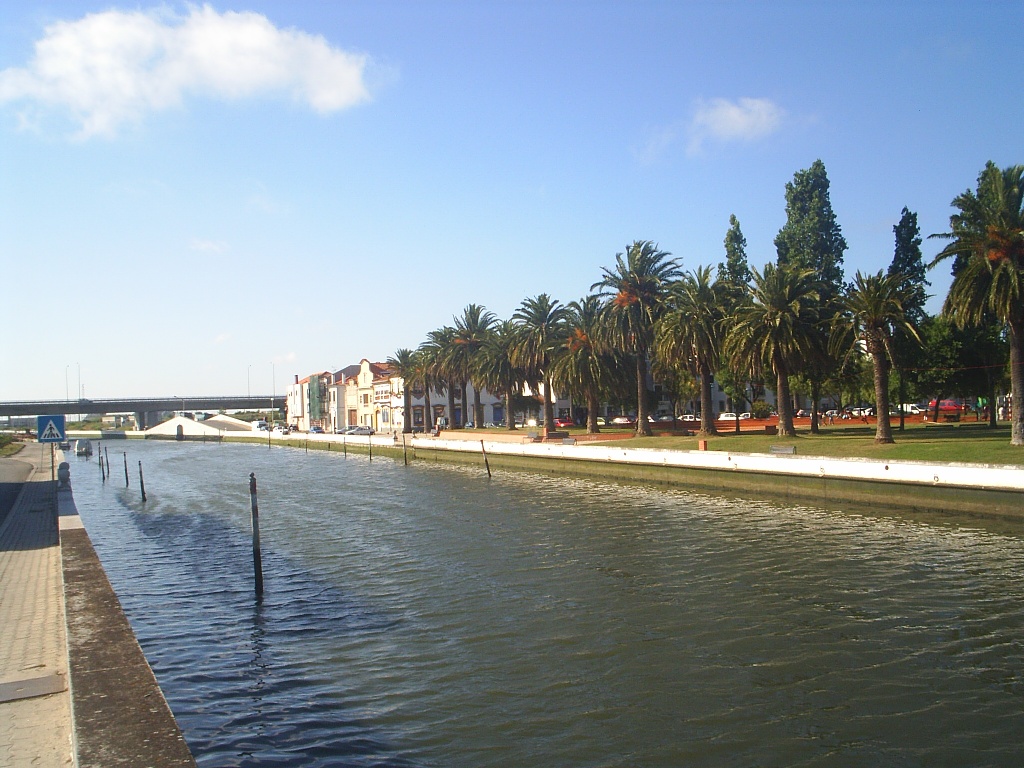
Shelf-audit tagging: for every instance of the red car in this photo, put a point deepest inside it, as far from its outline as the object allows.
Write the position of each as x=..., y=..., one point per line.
x=560, y=423
x=946, y=406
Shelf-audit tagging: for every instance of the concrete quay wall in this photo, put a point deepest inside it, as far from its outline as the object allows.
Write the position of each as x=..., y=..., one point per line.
x=974, y=489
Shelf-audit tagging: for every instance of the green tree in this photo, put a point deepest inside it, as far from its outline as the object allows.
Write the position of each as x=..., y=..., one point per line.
x=436, y=352
x=690, y=331
x=495, y=370
x=540, y=335
x=871, y=309
x=988, y=232
x=403, y=364
x=586, y=368
x=470, y=332
x=812, y=239
x=909, y=269
x=775, y=329
x=636, y=286
x=734, y=273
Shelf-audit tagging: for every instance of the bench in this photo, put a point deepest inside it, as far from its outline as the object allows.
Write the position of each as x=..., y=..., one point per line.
x=557, y=435
x=532, y=437
x=568, y=441
x=951, y=417
x=782, y=450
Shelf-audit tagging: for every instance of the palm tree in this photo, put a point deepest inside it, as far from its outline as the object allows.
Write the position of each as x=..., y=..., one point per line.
x=690, y=331
x=636, y=287
x=987, y=237
x=775, y=329
x=541, y=333
x=403, y=364
x=494, y=368
x=434, y=353
x=470, y=332
x=870, y=312
x=586, y=368
x=423, y=378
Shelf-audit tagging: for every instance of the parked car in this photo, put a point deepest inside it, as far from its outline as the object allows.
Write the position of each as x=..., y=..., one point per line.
x=623, y=420
x=315, y=430
x=946, y=406
x=560, y=423
x=689, y=417
x=601, y=422
x=912, y=409
x=664, y=418
x=726, y=415
x=360, y=431
x=745, y=415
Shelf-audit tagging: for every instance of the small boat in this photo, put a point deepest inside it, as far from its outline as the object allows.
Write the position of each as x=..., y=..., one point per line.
x=64, y=445
x=83, y=448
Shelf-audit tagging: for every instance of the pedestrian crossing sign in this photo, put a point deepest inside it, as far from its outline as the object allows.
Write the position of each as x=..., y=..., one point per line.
x=50, y=429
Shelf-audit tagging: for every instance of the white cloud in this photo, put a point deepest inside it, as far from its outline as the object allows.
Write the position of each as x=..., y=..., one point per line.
x=115, y=67
x=721, y=120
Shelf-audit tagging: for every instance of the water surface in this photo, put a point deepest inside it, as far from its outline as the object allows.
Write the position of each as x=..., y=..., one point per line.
x=428, y=616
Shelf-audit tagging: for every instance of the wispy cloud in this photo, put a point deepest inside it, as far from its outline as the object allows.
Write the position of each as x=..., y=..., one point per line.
x=742, y=120
x=115, y=67
x=208, y=246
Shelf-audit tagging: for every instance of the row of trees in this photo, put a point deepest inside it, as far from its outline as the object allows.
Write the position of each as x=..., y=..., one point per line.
x=795, y=325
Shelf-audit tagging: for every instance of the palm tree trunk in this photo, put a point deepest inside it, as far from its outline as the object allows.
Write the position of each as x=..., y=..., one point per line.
x=407, y=409
x=451, y=405
x=510, y=422
x=643, y=426
x=1017, y=381
x=464, y=413
x=593, y=403
x=785, y=403
x=707, y=417
x=428, y=409
x=478, y=409
x=883, y=428
x=549, y=407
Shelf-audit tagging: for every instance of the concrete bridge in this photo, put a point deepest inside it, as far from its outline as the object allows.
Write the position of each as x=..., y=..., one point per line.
x=144, y=408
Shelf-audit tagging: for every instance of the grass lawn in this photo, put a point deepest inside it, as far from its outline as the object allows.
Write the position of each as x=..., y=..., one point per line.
x=964, y=442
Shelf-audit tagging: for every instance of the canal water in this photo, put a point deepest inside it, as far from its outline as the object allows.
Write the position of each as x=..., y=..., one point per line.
x=428, y=616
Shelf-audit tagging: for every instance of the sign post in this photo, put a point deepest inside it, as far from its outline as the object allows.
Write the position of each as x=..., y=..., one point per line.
x=50, y=429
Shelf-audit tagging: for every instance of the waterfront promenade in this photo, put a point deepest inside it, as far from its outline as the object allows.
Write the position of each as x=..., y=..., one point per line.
x=75, y=688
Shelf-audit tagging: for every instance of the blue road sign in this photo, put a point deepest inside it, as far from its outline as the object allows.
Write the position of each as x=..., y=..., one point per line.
x=50, y=429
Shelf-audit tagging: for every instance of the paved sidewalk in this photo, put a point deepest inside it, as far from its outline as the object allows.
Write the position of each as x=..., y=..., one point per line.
x=35, y=700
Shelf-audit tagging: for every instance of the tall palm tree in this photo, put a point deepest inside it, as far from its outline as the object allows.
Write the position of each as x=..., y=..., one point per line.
x=587, y=367
x=403, y=364
x=495, y=370
x=435, y=352
x=690, y=331
x=470, y=332
x=987, y=237
x=775, y=329
x=870, y=312
x=541, y=333
x=423, y=379
x=636, y=286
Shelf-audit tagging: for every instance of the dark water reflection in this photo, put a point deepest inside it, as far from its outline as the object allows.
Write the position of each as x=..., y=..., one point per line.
x=426, y=616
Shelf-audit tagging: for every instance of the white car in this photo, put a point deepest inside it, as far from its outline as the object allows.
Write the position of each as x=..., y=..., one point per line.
x=745, y=415
x=724, y=416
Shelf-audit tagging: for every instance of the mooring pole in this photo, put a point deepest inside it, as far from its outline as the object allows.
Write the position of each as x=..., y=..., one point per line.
x=125, y=470
x=106, y=454
x=142, y=483
x=405, y=452
x=257, y=557
x=486, y=463
x=344, y=445
x=369, y=444
x=103, y=474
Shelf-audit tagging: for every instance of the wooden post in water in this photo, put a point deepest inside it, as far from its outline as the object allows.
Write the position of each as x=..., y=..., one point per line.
x=344, y=445
x=103, y=474
x=369, y=444
x=142, y=483
x=486, y=463
x=405, y=451
x=125, y=470
x=106, y=454
x=257, y=556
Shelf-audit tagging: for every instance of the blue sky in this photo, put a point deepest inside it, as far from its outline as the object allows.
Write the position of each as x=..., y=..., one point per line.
x=211, y=199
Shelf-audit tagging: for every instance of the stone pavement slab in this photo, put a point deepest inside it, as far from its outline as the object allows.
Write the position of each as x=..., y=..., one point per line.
x=35, y=713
